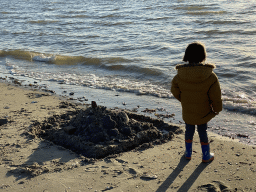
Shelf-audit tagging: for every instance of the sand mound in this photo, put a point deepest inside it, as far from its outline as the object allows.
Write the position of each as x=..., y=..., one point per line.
x=99, y=132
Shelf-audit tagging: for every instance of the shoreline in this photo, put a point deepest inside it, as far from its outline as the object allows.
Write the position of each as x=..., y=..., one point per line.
x=168, y=110
x=160, y=168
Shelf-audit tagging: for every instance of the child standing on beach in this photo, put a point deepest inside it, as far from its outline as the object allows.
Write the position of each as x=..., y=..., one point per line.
x=197, y=87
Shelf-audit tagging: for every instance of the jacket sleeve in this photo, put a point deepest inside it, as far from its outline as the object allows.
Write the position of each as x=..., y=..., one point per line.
x=215, y=96
x=175, y=89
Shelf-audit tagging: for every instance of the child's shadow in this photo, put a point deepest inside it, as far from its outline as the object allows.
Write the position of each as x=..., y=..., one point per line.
x=188, y=183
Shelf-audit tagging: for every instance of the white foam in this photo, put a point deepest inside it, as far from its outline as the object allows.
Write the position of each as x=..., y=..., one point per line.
x=91, y=80
x=240, y=105
x=232, y=101
x=43, y=58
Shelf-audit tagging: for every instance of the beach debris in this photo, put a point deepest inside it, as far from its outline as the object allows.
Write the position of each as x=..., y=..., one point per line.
x=3, y=186
x=164, y=115
x=108, y=188
x=17, y=82
x=161, y=109
x=50, y=91
x=82, y=99
x=146, y=176
x=37, y=95
x=134, y=110
x=65, y=104
x=252, y=123
x=148, y=110
x=71, y=93
x=242, y=135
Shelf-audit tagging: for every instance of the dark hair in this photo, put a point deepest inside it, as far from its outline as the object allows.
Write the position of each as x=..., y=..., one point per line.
x=195, y=53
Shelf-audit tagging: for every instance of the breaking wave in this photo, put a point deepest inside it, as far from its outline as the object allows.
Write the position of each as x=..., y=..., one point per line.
x=108, y=63
x=108, y=82
x=239, y=102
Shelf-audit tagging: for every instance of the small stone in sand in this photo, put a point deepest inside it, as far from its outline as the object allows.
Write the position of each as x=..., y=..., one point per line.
x=3, y=121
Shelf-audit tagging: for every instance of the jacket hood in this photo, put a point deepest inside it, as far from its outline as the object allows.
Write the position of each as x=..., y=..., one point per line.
x=194, y=73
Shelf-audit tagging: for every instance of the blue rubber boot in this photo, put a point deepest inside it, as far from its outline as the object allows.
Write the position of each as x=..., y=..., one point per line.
x=207, y=156
x=188, y=152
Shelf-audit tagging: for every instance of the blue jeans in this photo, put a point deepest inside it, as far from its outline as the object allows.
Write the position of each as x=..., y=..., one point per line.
x=201, y=129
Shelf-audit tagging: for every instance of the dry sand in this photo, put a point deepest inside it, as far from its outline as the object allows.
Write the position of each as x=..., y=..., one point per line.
x=31, y=164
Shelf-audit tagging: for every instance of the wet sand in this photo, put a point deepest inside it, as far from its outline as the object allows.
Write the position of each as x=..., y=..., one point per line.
x=33, y=164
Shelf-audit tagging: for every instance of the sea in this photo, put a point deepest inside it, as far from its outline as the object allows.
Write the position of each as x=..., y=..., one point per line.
x=122, y=54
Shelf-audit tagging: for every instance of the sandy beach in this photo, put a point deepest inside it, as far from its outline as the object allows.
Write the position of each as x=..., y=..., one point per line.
x=30, y=163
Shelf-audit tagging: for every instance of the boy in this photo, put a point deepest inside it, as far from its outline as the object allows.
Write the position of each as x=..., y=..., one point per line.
x=197, y=87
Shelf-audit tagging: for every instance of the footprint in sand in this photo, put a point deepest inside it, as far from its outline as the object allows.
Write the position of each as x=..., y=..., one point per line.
x=215, y=186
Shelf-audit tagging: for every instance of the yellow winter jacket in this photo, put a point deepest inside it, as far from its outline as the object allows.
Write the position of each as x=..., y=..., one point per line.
x=197, y=87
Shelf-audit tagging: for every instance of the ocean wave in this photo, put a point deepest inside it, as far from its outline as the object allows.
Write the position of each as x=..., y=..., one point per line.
x=110, y=16
x=159, y=18
x=42, y=22
x=80, y=16
x=5, y=12
x=108, y=23
x=17, y=54
x=222, y=22
x=219, y=32
x=109, y=82
x=244, y=108
x=206, y=12
x=223, y=32
x=73, y=16
x=20, y=32
x=77, y=11
x=134, y=69
x=109, y=63
x=60, y=59
x=240, y=102
x=247, y=32
x=193, y=7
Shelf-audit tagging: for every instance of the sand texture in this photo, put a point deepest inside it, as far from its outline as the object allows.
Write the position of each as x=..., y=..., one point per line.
x=48, y=144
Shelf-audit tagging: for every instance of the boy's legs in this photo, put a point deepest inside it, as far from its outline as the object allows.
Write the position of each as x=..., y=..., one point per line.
x=189, y=133
x=202, y=131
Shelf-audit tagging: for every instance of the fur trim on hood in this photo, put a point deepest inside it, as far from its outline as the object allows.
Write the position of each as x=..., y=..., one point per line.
x=193, y=65
x=195, y=73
